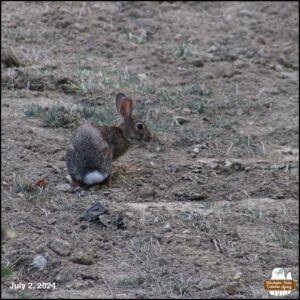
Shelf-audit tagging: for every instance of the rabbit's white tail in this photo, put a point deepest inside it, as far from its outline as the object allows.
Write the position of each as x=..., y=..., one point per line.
x=94, y=177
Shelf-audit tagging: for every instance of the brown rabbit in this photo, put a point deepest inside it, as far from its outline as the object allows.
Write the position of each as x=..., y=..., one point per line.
x=93, y=147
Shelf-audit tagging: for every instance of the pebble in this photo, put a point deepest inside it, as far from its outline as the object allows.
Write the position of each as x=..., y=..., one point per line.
x=106, y=220
x=206, y=284
x=228, y=163
x=290, y=75
x=40, y=262
x=82, y=258
x=180, y=120
x=197, y=170
x=197, y=263
x=278, y=68
x=137, y=182
x=186, y=111
x=63, y=276
x=64, y=187
x=198, y=196
x=209, y=76
x=142, y=77
x=212, y=49
x=198, y=63
x=162, y=261
x=167, y=227
x=123, y=266
x=237, y=276
x=196, y=150
x=93, y=212
x=60, y=247
x=231, y=290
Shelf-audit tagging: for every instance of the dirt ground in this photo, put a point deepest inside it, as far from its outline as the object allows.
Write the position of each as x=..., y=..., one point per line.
x=206, y=210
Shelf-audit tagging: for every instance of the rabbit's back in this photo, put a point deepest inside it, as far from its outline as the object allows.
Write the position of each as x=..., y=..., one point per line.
x=88, y=152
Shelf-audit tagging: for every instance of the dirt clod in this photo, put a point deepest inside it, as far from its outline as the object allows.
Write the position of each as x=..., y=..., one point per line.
x=60, y=247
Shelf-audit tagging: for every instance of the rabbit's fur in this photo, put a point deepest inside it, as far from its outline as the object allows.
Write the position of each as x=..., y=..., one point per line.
x=93, y=147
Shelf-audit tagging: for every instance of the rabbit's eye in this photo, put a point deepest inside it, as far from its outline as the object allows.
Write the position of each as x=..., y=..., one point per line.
x=139, y=126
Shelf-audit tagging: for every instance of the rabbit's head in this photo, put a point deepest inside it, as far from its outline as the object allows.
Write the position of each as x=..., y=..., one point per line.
x=134, y=129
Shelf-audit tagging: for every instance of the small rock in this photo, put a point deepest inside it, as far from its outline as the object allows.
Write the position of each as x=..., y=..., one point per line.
x=130, y=224
x=137, y=182
x=198, y=63
x=196, y=150
x=284, y=62
x=227, y=17
x=245, y=13
x=187, y=177
x=68, y=177
x=198, y=196
x=63, y=276
x=60, y=247
x=212, y=163
x=167, y=227
x=240, y=111
x=106, y=220
x=180, y=120
x=51, y=221
x=197, y=263
x=93, y=213
x=212, y=49
x=186, y=111
x=162, y=262
x=197, y=170
x=237, y=276
x=64, y=187
x=178, y=37
x=240, y=63
x=107, y=246
x=79, y=285
x=186, y=231
x=228, y=163
x=235, y=166
x=81, y=193
x=123, y=266
x=81, y=258
x=206, y=284
x=290, y=75
x=88, y=275
x=40, y=262
x=260, y=40
x=209, y=76
x=278, y=68
x=142, y=77
x=232, y=290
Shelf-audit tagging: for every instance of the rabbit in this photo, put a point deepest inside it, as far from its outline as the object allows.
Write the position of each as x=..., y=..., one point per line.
x=92, y=148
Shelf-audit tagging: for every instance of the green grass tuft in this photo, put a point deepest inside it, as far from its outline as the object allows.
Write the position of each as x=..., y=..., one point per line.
x=58, y=116
x=29, y=190
x=131, y=282
x=6, y=271
x=286, y=239
x=34, y=110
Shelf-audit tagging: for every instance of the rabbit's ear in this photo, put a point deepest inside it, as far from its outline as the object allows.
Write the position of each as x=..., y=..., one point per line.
x=119, y=99
x=126, y=109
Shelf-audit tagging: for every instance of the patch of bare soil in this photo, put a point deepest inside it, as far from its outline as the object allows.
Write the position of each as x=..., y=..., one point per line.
x=210, y=207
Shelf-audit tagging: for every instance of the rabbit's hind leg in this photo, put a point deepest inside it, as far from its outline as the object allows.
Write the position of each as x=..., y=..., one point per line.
x=109, y=181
